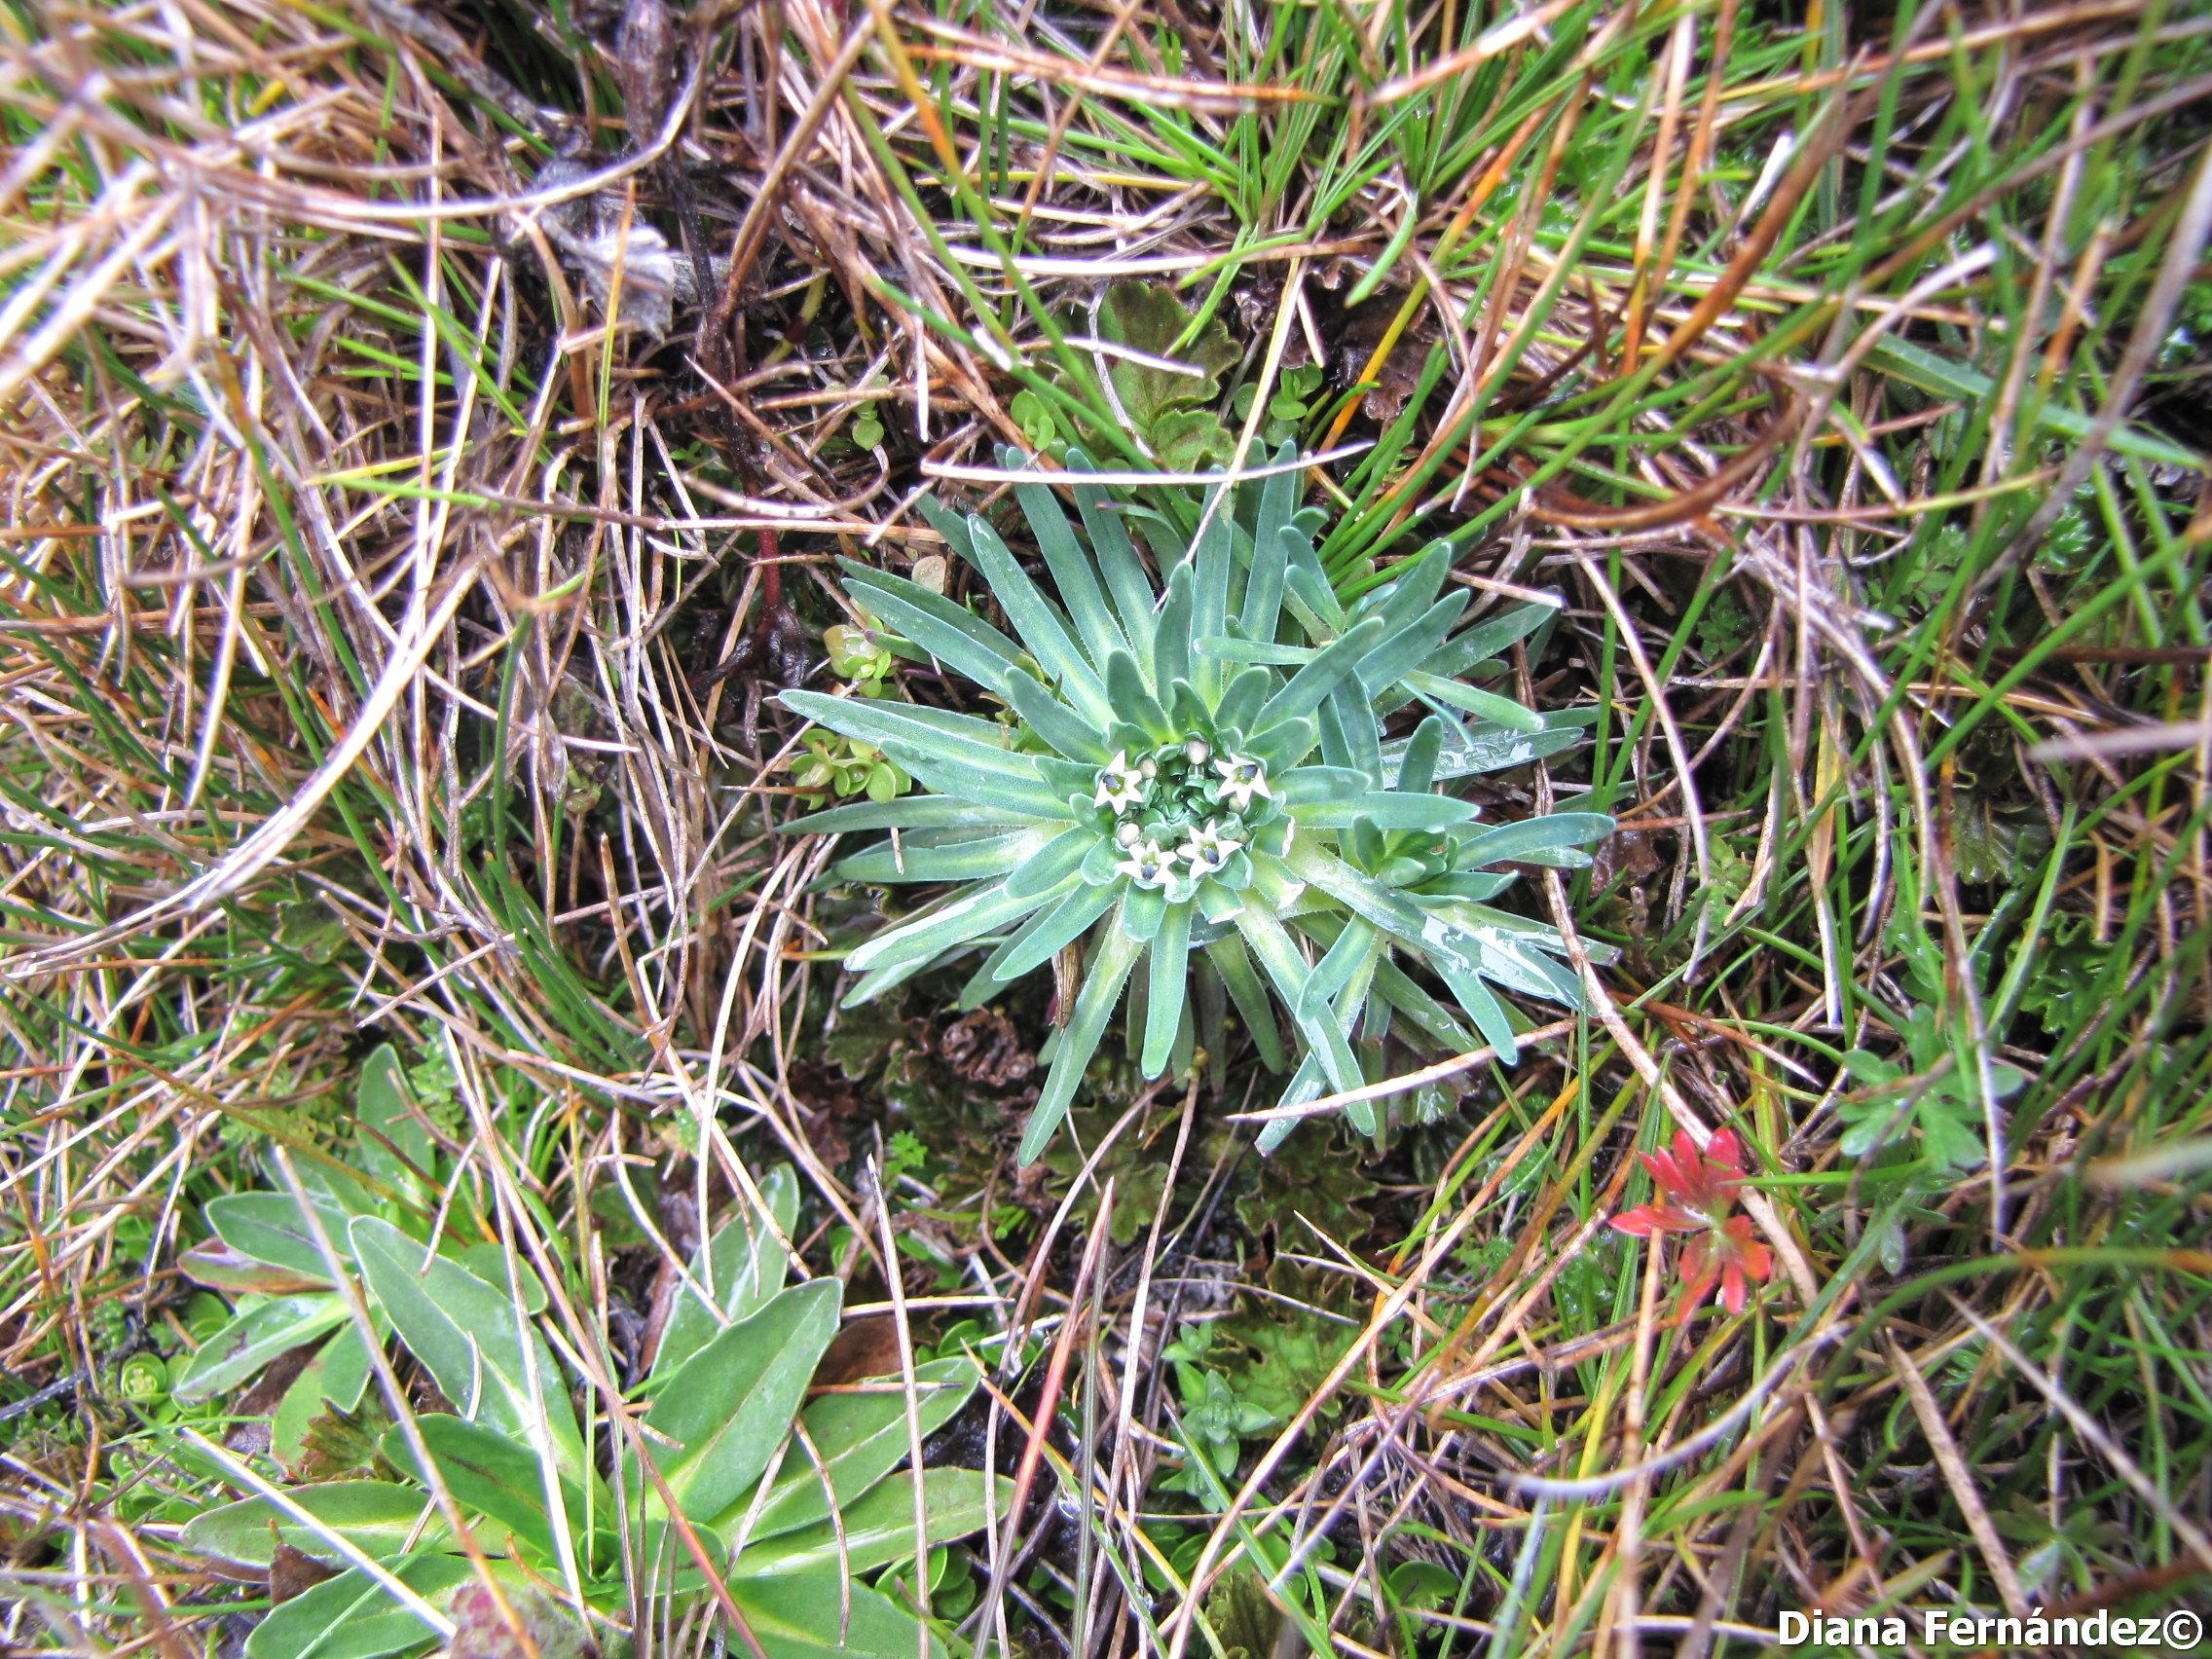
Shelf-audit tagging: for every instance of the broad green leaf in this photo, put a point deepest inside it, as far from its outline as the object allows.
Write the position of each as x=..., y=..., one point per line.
x=269, y=1228
x=253, y=1339
x=1149, y=318
x=744, y=1264
x=730, y=1404
x=861, y=1438
x=216, y=1265
x=379, y=1516
x=490, y=1262
x=879, y=1527
x=380, y=1105
x=469, y=1336
x=492, y=1475
x=799, y=1616
x=354, y=1617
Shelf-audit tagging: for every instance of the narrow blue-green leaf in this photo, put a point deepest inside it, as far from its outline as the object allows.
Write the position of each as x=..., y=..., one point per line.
x=1234, y=966
x=1486, y=705
x=978, y=859
x=979, y=910
x=1033, y=619
x=879, y=720
x=1118, y=561
x=1314, y=681
x=1052, y=719
x=1536, y=834
x=1170, y=980
x=1103, y=979
x=1073, y=572
x=1060, y=927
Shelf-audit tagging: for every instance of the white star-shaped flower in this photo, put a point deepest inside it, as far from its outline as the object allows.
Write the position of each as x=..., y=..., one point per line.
x=1121, y=786
x=1208, y=849
x=1240, y=780
x=1149, y=865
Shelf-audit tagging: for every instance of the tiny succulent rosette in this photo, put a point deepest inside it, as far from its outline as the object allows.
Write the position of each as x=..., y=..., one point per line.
x=1195, y=778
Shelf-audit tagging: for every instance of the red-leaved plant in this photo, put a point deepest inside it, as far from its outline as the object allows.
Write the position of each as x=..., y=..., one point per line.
x=1697, y=1189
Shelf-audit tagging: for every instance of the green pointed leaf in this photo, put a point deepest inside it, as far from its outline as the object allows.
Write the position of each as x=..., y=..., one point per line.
x=1516, y=842
x=1052, y=719
x=742, y=1267
x=730, y=1404
x=908, y=812
x=485, y=1358
x=861, y=1438
x=950, y=739
x=980, y=858
x=490, y=1474
x=1073, y=572
x=1486, y=705
x=253, y=1339
x=1133, y=702
x=1052, y=863
x=1234, y=966
x=1063, y=925
x=379, y=1516
x=798, y=1616
x=1118, y=561
x=354, y=1617
x=879, y=1527
x=1034, y=620
x=1314, y=681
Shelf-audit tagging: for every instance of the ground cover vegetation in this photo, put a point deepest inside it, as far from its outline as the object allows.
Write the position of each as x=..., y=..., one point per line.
x=1121, y=826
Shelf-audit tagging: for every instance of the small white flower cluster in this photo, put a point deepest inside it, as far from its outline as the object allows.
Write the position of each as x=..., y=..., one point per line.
x=1123, y=787
x=1150, y=864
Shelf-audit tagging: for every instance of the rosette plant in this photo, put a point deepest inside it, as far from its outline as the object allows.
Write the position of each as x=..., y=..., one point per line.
x=1195, y=773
